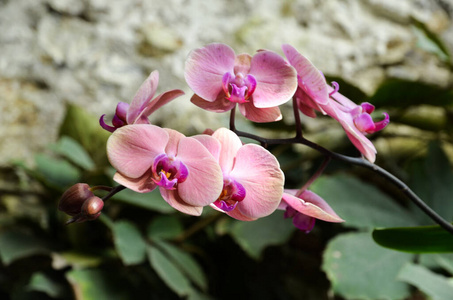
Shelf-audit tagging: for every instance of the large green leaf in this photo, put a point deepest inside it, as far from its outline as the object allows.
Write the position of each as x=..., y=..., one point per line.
x=255, y=236
x=152, y=201
x=58, y=173
x=17, y=244
x=85, y=129
x=425, y=239
x=434, y=285
x=168, y=271
x=96, y=284
x=165, y=227
x=431, y=180
x=401, y=93
x=360, y=269
x=73, y=151
x=185, y=262
x=360, y=204
x=129, y=242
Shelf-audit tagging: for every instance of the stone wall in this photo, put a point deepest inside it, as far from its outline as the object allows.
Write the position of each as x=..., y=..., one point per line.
x=94, y=53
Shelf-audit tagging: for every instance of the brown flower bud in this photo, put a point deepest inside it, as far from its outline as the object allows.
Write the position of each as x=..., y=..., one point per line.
x=73, y=198
x=92, y=208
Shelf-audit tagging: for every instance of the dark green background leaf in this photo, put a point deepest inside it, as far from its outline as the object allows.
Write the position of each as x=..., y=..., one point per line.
x=426, y=239
x=360, y=269
x=360, y=204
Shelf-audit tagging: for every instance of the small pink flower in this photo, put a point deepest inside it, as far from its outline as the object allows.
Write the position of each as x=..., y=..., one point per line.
x=221, y=79
x=142, y=106
x=314, y=93
x=304, y=207
x=146, y=156
x=252, y=179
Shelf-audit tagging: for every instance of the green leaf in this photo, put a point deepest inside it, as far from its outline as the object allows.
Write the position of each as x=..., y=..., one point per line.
x=57, y=172
x=43, y=283
x=152, y=201
x=360, y=204
x=402, y=93
x=168, y=271
x=16, y=244
x=72, y=150
x=360, y=269
x=185, y=262
x=96, y=284
x=437, y=260
x=424, y=239
x=434, y=285
x=129, y=243
x=255, y=236
x=165, y=227
x=85, y=129
x=431, y=179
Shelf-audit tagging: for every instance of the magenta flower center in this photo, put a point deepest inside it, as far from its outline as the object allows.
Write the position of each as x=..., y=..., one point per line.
x=168, y=171
x=363, y=120
x=233, y=192
x=238, y=88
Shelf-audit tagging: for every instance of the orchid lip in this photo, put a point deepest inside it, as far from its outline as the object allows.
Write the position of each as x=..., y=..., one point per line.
x=223, y=205
x=168, y=171
x=105, y=126
x=238, y=88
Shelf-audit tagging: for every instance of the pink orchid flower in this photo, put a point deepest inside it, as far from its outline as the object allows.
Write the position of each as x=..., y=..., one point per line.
x=142, y=106
x=221, y=79
x=252, y=179
x=147, y=156
x=304, y=207
x=314, y=93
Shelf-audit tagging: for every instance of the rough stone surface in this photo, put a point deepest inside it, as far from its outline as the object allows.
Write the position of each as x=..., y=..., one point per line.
x=94, y=53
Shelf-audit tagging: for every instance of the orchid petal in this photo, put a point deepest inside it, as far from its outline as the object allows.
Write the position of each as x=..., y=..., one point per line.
x=259, y=172
x=131, y=149
x=205, y=181
x=175, y=201
x=220, y=105
x=230, y=143
x=143, y=96
x=277, y=80
x=310, y=204
x=260, y=115
x=210, y=143
x=310, y=78
x=205, y=68
x=242, y=63
x=173, y=140
x=142, y=184
x=160, y=101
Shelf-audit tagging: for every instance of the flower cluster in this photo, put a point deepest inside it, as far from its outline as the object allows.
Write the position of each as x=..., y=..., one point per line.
x=216, y=169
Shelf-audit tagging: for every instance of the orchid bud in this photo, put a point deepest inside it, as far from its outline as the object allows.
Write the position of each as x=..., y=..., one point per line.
x=92, y=208
x=72, y=200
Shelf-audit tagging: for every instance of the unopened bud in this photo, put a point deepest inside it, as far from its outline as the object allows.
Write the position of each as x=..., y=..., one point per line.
x=72, y=200
x=92, y=208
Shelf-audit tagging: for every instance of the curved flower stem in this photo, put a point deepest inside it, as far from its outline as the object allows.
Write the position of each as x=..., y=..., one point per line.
x=359, y=161
x=113, y=191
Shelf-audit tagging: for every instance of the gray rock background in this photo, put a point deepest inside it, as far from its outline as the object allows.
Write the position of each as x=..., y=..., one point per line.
x=94, y=53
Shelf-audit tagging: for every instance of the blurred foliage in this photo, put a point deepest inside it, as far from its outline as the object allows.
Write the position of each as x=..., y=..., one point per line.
x=140, y=248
